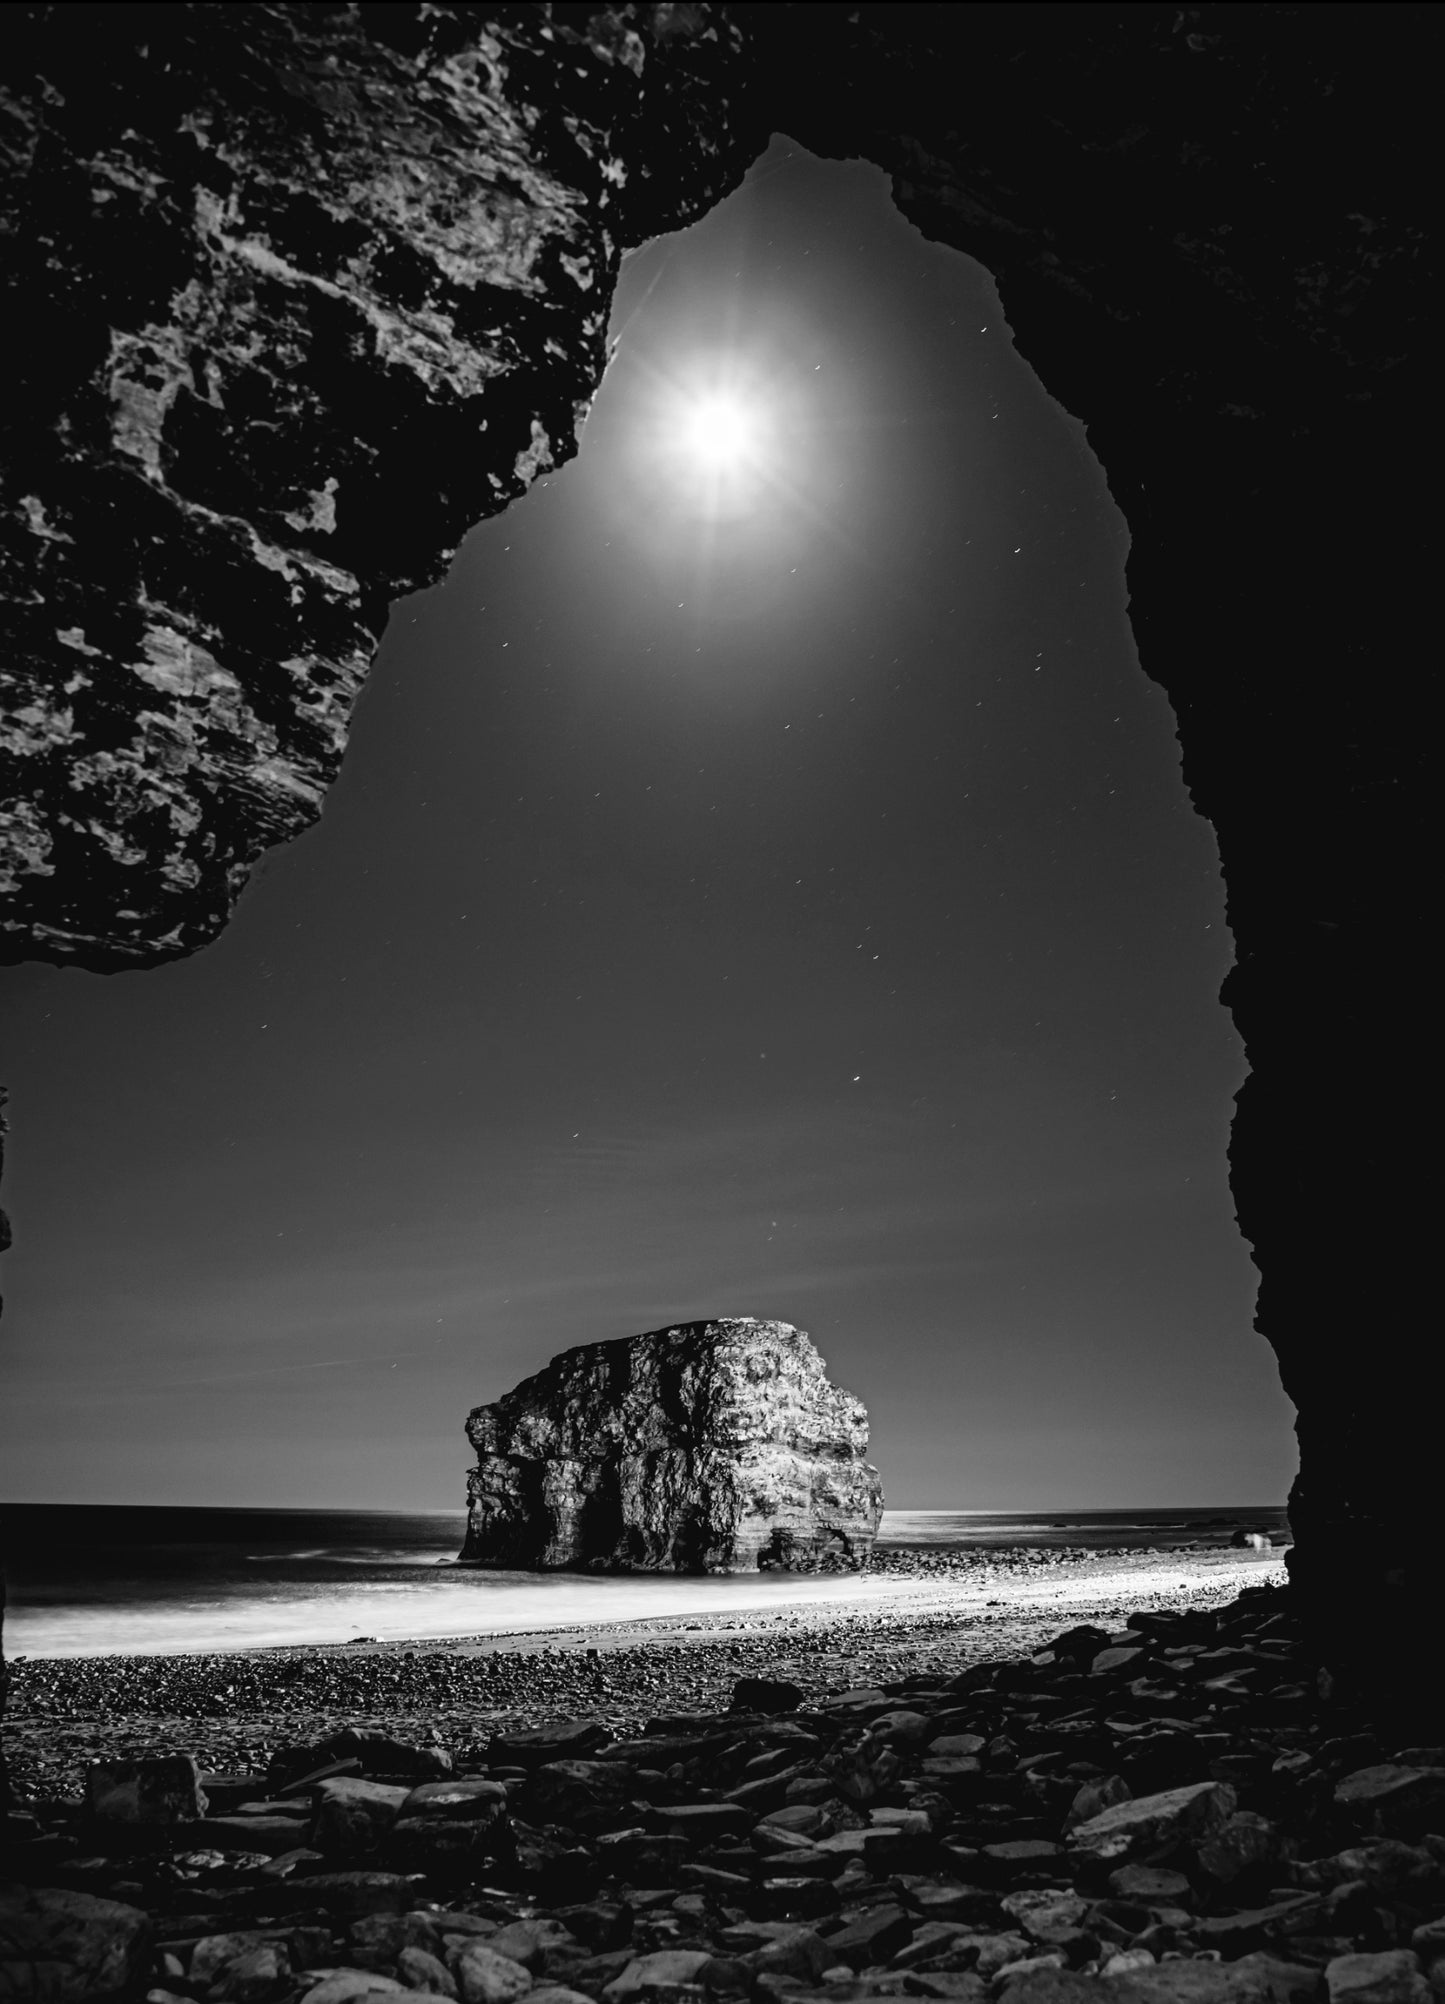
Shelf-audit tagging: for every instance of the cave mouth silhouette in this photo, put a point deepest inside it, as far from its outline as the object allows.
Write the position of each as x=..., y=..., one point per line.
x=1208, y=251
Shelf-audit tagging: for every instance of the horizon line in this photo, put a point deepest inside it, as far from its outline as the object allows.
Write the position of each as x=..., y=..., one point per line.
x=460, y=1510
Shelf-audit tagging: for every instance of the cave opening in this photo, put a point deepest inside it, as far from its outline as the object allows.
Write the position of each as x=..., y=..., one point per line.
x=785, y=890
x=1227, y=290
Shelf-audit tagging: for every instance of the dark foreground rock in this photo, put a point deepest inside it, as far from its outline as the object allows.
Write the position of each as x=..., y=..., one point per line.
x=58, y=1944
x=714, y=1447
x=1171, y=1813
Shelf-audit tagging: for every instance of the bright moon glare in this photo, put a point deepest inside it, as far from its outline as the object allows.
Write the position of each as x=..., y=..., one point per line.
x=715, y=433
x=720, y=433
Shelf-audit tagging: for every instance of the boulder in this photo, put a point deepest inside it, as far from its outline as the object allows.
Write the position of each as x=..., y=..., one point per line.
x=347, y=1894
x=949, y=1901
x=275, y=1835
x=70, y=1948
x=1109, y=1661
x=1095, y=1797
x=450, y=1847
x=1044, y=1910
x=352, y=1816
x=705, y=1822
x=560, y=1739
x=1152, y=1823
x=668, y=1972
x=394, y=1760
x=796, y=1955
x=1249, y=1927
x=357, y=1750
x=484, y=1977
x=1014, y=1858
x=1391, y=1977
x=1052, y=1985
x=1244, y=1842
x=1077, y=1645
x=153, y=1791
x=1393, y=1799
x=1193, y=1983
x=714, y=1446
x=1027, y=1965
x=860, y=1773
x=802, y=1819
x=377, y=1940
x=797, y=1897
x=256, y=1974
x=900, y=1728
x=873, y=1937
x=1386, y=1866
x=528, y=1941
x=352, y=1986
x=1288, y=1982
x=469, y=1799
x=588, y=1794
x=1149, y=1885
x=766, y=1694
x=599, y=1924
x=419, y=1969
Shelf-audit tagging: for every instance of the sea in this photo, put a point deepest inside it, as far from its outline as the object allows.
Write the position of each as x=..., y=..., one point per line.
x=94, y=1579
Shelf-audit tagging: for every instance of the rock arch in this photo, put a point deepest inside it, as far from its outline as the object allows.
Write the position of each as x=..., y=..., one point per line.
x=308, y=290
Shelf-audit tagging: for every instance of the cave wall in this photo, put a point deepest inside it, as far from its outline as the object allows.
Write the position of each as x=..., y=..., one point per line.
x=1208, y=229
x=310, y=289
x=303, y=293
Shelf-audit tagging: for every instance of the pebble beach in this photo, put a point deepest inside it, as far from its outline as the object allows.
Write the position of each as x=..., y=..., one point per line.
x=911, y=1612
x=1018, y=1779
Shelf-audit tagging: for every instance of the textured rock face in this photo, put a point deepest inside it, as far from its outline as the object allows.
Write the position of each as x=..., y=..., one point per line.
x=301, y=294
x=714, y=1447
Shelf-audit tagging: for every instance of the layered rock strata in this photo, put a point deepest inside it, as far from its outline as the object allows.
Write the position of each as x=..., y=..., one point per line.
x=712, y=1447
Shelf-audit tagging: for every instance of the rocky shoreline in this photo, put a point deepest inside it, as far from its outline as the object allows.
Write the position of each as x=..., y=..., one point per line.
x=230, y=1709
x=1171, y=1804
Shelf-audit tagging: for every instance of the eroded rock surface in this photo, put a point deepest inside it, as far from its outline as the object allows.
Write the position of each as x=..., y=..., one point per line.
x=300, y=295
x=713, y=1447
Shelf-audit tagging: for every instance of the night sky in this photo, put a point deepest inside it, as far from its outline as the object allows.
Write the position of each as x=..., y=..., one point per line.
x=761, y=891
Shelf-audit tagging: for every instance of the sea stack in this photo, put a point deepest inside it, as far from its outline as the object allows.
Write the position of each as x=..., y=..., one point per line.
x=710, y=1447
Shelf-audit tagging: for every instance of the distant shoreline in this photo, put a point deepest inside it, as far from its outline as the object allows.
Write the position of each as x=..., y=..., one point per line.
x=1185, y=1513
x=565, y=1603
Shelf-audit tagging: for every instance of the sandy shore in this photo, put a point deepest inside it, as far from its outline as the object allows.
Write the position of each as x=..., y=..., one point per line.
x=233, y=1709
x=1004, y=1604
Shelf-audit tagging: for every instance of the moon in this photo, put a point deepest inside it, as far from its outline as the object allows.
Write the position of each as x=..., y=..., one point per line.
x=710, y=431
x=727, y=445
x=721, y=433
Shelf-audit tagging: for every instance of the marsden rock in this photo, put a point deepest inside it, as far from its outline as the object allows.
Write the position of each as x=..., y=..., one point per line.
x=714, y=1447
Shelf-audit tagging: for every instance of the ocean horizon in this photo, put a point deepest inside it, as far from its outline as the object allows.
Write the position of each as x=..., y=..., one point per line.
x=135, y=1579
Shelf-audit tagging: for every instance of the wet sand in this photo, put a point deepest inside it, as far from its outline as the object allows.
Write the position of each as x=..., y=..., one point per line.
x=999, y=1604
